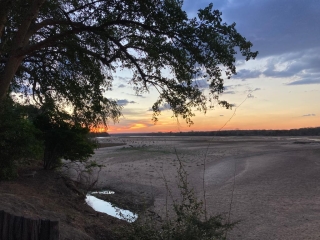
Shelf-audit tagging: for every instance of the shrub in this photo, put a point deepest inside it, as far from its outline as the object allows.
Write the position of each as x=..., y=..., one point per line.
x=19, y=142
x=62, y=138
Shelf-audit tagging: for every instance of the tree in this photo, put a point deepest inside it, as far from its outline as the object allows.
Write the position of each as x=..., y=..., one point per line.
x=68, y=51
x=19, y=142
x=28, y=134
x=62, y=137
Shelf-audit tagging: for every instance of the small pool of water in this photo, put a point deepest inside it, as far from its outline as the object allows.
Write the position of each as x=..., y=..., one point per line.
x=103, y=192
x=100, y=205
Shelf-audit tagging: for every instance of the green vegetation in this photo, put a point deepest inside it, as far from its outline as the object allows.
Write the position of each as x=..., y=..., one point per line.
x=29, y=134
x=65, y=54
x=69, y=51
x=62, y=138
x=60, y=55
x=19, y=139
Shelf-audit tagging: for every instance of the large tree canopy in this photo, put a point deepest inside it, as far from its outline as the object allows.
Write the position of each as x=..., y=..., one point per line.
x=68, y=51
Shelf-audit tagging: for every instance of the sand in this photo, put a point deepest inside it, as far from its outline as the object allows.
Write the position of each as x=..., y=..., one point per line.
x=269, y=184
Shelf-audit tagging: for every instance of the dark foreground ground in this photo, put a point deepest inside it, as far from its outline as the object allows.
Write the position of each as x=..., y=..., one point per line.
x=48, y=196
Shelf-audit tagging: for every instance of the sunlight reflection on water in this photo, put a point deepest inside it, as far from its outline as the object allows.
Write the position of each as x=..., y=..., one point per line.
x=103, y=192
x=106, y=207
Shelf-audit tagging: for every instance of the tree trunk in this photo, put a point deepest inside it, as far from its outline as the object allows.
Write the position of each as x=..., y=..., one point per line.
x=5, y=5
x=20, y=40
x=50, y=158
x=8, y=74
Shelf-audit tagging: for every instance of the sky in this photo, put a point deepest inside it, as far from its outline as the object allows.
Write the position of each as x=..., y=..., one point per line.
x=280, y=89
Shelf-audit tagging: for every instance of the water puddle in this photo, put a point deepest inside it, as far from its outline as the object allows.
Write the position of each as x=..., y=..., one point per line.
x=103, y=192
x=315, y=139
x=106, y=207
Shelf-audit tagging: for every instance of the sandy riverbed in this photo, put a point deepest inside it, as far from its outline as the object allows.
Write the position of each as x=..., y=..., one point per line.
x=272, y=182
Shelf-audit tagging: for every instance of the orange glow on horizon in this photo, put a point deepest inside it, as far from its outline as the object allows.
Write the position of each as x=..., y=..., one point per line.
x=99, y=129
x=270, y=122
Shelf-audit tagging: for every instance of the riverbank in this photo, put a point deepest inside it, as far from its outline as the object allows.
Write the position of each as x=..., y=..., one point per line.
x=269, y=184
x=48, y=195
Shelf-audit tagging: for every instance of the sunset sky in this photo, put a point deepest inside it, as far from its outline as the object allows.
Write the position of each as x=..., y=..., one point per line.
x=284, y=78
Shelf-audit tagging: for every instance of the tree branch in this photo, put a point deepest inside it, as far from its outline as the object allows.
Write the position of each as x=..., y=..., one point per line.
x=78, y=28
x=20, y=39
x=5, y=6
x=84, y=6
x=131, y=58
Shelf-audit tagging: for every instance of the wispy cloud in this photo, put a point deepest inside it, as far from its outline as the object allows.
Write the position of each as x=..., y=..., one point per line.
x=250, y=95
x=164, y=107
x=136, y=95
x=309, y=115
x=124, y=102
x=231, y=87
x=244, y=74
x=123, y=78
x=229, y=92
x=201, y=83
x=129, y=126
x=275, y=26
x=302, y=66
x=304, y=81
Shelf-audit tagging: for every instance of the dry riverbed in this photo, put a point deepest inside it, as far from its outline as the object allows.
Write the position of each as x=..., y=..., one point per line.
x=269, y=184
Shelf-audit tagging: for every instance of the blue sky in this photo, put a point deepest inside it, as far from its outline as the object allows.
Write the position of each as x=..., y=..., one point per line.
x=283, y=82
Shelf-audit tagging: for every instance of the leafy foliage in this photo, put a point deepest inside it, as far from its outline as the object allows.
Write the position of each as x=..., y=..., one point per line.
x=68, y=51
x=19, y=142
x=62, y=138
x=29, y=134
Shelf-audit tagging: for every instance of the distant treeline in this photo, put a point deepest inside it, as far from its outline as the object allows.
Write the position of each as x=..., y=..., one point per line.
x=291, y=132
x=99, y=134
